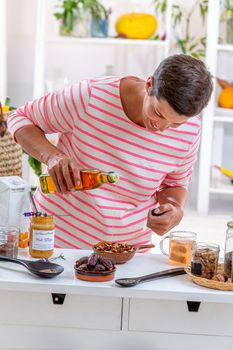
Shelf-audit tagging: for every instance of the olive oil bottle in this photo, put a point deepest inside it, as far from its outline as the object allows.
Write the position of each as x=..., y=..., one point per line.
x=89, y=179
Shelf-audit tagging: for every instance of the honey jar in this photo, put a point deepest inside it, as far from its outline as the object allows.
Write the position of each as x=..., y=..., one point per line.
x=41, y=243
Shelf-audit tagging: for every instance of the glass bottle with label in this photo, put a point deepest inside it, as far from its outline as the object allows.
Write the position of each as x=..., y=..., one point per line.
x=228, y=254
x=41, y=244
x=89, y=179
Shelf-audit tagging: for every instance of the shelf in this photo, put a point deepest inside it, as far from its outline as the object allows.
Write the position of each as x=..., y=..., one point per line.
x=220, y=184
x=221, y=119
x=222, y=190
x=225, y=47
x=103, y=41
x=223, y=115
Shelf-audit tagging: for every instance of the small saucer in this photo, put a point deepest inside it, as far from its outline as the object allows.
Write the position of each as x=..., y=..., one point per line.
x=93, y=276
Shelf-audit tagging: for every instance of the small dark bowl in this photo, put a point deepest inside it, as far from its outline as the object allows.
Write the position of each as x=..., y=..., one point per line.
x=92, y=276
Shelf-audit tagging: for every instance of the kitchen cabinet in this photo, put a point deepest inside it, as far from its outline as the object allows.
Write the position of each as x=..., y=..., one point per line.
x=65, y=313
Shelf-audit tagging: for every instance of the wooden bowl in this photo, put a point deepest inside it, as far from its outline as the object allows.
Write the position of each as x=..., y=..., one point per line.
x=118, y=258
x=92, y=276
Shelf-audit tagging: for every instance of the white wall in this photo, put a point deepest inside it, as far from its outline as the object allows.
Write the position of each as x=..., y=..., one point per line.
x=21, y=25
x=2, y=50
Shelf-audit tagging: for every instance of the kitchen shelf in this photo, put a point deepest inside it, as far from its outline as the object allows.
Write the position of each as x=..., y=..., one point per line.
x=48, y=38
x=223, y=115
x=224, y=190
x=222, y=119
x=102, y=41
x=225, y=47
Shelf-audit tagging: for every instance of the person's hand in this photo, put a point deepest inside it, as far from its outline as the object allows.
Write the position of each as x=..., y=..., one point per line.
x=164, y=218
x=64, y=172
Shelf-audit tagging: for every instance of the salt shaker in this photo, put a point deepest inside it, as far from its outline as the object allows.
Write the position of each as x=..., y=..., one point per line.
x=228, y=253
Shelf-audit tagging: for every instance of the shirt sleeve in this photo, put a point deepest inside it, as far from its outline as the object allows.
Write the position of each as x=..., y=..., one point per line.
x=56, y=112
x=182, y=176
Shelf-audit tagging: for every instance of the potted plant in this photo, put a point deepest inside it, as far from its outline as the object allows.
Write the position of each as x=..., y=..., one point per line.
x=99, y=19
x=227, y=17
x=181, y=23
x=75, y=17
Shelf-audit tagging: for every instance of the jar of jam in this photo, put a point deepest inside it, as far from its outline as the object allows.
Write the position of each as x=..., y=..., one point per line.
x=41, y=243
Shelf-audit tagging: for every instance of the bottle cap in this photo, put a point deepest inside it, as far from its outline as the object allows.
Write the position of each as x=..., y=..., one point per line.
x=113, y=177
x=230, y=224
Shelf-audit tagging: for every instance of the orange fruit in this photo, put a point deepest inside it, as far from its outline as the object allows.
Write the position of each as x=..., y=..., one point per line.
x=225, y=98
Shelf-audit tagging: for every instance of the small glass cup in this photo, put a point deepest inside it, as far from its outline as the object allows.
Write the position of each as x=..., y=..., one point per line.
x=9, y=238
x=205, y=259
x=180, y=247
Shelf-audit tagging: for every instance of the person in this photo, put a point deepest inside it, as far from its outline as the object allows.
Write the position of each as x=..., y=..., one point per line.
x=146, y=131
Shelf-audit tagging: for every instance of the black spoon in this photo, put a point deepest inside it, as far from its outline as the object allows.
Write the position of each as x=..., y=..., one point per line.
x=40, y=268
x=133, y=281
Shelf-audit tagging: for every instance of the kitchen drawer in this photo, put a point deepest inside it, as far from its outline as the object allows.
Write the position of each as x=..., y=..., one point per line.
x=35, y=309
x=174, y=317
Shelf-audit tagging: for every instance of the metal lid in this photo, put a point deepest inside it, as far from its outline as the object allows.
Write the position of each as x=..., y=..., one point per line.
x=112, y=177
x=230, y=224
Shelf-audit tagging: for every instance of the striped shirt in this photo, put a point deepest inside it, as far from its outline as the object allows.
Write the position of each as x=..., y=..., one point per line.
x=93, y=128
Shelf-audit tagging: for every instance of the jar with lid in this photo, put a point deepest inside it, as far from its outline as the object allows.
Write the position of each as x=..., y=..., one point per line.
x=9, y=237
x=228, y=253
x=205, y=259
x=41, y=243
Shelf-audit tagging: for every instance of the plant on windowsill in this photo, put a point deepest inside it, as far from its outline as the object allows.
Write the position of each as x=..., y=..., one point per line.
x=75, y=16
x=227, y=18
x=181, y=20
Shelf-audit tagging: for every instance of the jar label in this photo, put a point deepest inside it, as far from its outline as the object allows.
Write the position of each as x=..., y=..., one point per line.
x=42, y=240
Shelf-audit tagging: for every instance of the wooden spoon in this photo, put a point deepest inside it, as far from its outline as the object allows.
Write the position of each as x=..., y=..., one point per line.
x=133, y=281
x=40, y=268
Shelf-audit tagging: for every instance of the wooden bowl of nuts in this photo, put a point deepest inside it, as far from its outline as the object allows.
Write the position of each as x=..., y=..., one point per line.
x=118, y=252
x=94, y=268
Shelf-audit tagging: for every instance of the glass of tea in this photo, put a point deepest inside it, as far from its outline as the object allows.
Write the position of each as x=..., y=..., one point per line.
x=180, y=247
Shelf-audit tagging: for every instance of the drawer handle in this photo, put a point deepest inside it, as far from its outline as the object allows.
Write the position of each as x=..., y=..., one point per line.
x=58, y=299
x=193, y=306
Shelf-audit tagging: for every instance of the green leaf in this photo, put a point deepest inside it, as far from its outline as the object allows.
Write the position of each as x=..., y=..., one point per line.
x=35, y=165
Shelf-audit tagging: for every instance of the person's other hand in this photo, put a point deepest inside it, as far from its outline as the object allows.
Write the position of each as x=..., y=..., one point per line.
x=64, y=172
x=164, y=218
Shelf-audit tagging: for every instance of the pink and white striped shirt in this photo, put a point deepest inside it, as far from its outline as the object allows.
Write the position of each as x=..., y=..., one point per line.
x=94, y=129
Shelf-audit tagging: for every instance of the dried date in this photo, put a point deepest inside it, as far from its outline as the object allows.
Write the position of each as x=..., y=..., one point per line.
x=92, y=260
x=99, y=268
x=108, y=263
x=81, y=261
x=95, y=263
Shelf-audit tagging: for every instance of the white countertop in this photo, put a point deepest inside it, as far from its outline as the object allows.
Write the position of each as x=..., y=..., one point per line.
x=14, y=277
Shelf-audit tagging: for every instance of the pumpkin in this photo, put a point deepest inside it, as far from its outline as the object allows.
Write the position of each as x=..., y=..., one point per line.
x=225, y=98
x=136, y=25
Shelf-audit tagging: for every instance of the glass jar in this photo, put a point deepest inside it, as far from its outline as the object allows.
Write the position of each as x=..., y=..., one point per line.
x=228, y=252
x=41, y=243
x=9, y=237
x=205, y=259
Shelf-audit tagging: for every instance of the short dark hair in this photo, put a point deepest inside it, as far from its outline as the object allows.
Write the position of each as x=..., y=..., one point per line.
x=184, y=82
